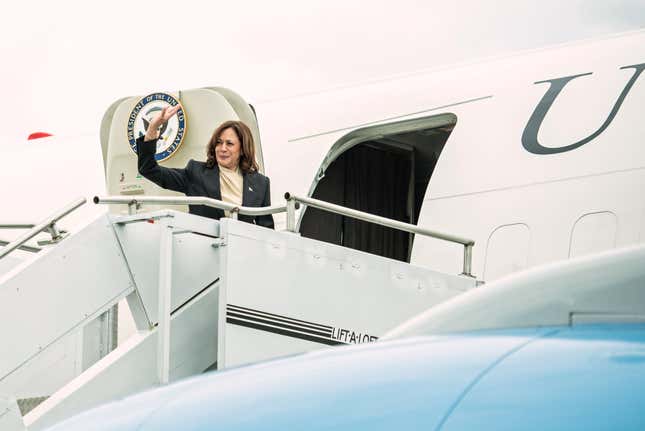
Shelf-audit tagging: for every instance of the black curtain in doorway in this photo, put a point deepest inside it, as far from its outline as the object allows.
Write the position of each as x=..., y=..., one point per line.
x=377, y=181
x=323, y=225
x=368, y=177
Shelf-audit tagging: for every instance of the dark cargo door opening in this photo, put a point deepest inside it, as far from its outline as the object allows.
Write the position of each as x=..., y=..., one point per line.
x=386, y=175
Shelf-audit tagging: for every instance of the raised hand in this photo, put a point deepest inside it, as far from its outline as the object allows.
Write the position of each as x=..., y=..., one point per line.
x=153, y=128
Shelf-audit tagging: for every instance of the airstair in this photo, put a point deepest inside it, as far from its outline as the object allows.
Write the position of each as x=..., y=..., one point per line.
x=204, y=295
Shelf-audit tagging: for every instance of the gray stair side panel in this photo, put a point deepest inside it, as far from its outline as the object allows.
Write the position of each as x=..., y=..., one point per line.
x=59, y=291
x=46, y=372
x=132, y=367
x=194, y=335
x=321, y=284
x=195, y=263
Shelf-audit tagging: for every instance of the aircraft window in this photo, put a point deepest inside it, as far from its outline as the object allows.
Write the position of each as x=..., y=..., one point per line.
x=592, y=233
x=387, y=175
x=507, y=251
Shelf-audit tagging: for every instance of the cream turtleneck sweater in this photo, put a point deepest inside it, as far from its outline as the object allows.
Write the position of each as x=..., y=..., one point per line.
x=231, y=182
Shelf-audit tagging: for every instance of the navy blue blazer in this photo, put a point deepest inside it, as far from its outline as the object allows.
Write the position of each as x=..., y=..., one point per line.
x=198, y=180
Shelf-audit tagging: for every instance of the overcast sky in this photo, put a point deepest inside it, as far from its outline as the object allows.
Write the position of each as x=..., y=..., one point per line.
x=64, y=62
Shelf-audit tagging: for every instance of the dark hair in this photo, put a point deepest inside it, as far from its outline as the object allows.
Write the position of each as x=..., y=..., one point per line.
x=247, y=161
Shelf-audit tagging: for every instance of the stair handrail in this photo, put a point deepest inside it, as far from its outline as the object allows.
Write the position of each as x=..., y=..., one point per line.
x=48, y=224
x=134, y=204
x=292, y=200
x=16, y=226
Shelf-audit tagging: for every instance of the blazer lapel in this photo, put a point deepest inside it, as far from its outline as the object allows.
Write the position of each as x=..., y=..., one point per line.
x=249, y=192
x=211, y=182
x=246, y=190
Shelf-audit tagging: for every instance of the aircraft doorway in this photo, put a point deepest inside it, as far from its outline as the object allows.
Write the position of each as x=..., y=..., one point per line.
x=383, y=170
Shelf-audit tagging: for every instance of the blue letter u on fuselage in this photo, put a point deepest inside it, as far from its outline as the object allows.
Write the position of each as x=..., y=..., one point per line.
x=529, y=136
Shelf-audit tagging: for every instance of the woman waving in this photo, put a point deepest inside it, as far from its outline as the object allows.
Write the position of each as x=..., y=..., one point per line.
x=230, y=172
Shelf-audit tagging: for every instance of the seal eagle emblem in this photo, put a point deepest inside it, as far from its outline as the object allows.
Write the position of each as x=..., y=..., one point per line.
x=171, y=134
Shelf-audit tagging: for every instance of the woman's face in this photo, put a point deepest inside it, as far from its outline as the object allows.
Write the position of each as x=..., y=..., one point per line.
x=227, y=149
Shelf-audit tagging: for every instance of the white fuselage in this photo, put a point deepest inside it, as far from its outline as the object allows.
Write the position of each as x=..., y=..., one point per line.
x=520, y=207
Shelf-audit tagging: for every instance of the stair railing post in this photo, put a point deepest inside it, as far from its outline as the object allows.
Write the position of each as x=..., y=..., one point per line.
x=165, y=286
x=468, y=260
x=291, y=214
